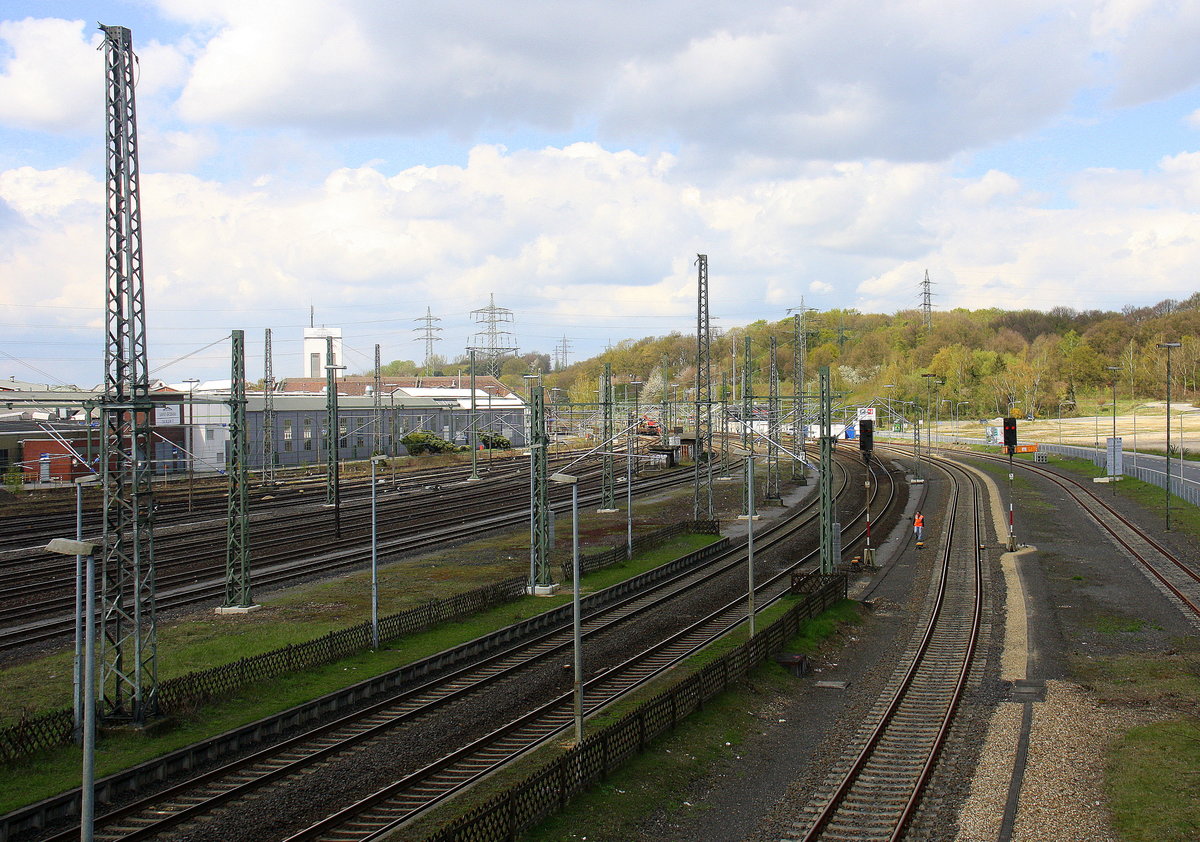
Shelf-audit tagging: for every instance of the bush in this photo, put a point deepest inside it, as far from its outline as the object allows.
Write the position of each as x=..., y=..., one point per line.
x=494, y=441
x=423, y=441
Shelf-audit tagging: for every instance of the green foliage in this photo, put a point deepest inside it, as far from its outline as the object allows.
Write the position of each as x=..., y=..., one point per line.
x=420, y=442
x=494, y=441
x=13, y=480
x=991, y=360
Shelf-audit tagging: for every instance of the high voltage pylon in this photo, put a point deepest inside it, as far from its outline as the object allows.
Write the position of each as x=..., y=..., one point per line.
x=702, y=502
x=429, y=338
x=270, y=457
x=237, y=538
x=927, y=301
x=562, y=352
x=491, y=342
x=608, y=491
x=129, y=639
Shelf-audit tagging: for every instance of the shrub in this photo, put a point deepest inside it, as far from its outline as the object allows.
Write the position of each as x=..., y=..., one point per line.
x=423, y=441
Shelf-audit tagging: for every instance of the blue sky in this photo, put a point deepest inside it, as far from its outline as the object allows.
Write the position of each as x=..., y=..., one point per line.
x=372, y=160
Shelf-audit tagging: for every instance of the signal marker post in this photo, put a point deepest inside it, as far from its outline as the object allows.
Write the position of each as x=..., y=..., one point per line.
x=866, y=443
x=1010, y=445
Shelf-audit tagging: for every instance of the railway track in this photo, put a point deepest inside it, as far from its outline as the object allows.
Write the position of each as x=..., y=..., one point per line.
x=42, y=609
x=1178, y=580
x=428, y=783
x=874, y=789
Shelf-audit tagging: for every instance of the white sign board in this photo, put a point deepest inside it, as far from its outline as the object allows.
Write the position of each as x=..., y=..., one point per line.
x=167, y=415
x=867, y=412
x=1115, y=461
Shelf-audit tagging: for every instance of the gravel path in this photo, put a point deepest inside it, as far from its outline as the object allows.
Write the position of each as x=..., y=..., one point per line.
x=1051, y=606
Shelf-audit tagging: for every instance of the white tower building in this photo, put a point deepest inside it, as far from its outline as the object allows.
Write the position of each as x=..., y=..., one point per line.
x=314, y=351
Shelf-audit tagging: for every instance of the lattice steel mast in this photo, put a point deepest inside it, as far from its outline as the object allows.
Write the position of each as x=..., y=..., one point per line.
x=270, y=457
x=429, y=338
x=377, y=408
x=491, y=341
x=829, y=527
x=540, y=515
x=129, y=641
x=927, y=302
x=237, y=537
x=608, y=492
x=773, y=425
x=702, y=501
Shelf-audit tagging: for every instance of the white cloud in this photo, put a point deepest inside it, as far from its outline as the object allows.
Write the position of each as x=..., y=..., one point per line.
x=50, y=79
x=844, y=80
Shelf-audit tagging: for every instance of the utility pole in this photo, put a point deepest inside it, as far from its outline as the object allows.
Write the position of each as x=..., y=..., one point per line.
x=429, y=338
x=608, y=496
x=377, y=407
x=237, y=535
x=474, y=425
x=702, y=502
x=747, y=397
x=664, y=422
x=830, y=557
x=333, y=489
x=773, y=426
x=270, y=457
x=540, y=513
x=799, y=362
x=129, y=630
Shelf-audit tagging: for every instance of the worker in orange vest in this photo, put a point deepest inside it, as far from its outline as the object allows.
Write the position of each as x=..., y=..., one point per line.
x=919, y=526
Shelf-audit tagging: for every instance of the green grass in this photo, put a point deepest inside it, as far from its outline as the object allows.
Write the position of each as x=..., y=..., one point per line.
x=1151, y=772
x=1109, y=624
x=1153, y=781
x=203, y=641
x=659, y=778
x=1185, y=517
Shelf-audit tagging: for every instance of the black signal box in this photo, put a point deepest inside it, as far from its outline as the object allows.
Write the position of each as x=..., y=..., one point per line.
x=866, y=435
x=1010, y=434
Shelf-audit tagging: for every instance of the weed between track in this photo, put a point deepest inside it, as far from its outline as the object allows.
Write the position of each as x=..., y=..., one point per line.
x=659, y=778
x=200, y=639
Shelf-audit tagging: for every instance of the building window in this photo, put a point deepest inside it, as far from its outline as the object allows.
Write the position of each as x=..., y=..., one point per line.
x=287, y=436
x=314, y=365
x=308, y=430
x=208, y=433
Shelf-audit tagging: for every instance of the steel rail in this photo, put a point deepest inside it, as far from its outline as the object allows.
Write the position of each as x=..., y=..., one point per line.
x=469, y=679
x=894, y=717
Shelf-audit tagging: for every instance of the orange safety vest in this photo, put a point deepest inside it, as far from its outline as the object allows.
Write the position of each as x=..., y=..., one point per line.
x=919, y=520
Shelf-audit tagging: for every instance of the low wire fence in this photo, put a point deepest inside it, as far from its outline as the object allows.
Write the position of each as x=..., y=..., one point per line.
x=642, y=543
x=551, y=787
x=187, y=692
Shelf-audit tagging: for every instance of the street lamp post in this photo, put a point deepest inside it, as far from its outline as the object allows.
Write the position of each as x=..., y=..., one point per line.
x=375, y=460
x=87, y=793
x=1169, y=346
x=80, y=588
x=573, y=481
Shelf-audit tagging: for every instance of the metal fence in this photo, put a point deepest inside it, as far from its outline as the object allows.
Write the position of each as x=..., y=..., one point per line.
x=549, y=789
x=1134, y=465
x=189, y=691
x=641, y=544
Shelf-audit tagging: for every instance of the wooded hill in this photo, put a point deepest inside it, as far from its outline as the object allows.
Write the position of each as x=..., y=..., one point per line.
x=1024, y=361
